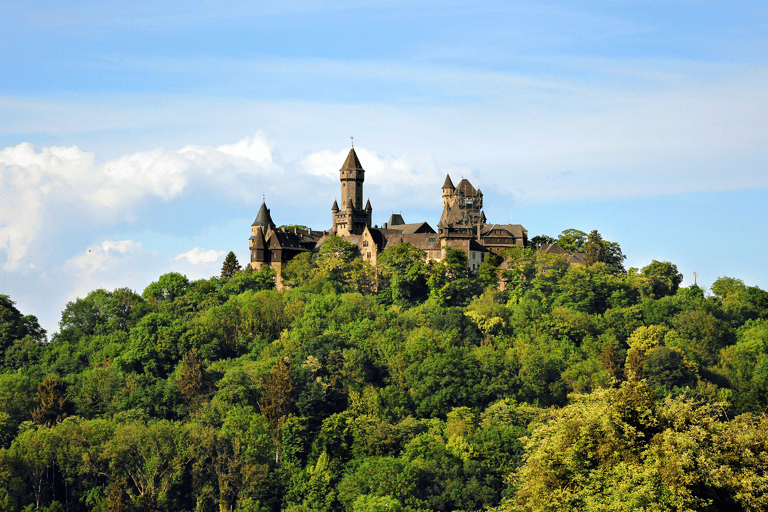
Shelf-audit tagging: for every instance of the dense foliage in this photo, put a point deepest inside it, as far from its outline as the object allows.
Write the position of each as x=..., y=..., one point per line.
x=415, y=386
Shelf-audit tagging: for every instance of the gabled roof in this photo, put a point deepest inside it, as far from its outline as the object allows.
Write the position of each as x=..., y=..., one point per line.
x=515, y=230
x=448, y=183
x=352, y=162
x=263, y=218
x=418, y=227
x=550, y=249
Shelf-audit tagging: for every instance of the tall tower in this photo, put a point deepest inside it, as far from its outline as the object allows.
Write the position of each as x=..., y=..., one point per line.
x=352, y=218
x=448, y=192
x=352, y=177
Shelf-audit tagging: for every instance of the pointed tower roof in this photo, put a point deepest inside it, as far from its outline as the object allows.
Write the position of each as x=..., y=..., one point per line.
x=349, y=205
x=448, y=183
x=466, y=187
x=263, y=218
x=368, y=206
x=352, y=162
x=335, y=207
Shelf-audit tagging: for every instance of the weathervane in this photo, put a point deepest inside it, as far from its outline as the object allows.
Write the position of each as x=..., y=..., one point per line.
x=353, y=141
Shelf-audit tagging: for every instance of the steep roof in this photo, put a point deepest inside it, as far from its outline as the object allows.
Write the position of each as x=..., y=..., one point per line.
x=448, y=183
x=368, y=206
x=418, y=227
x=335, y=206
x=515, y=230
x=352, y=162
x=466, y=188
x=263, y=218
x=396, y=220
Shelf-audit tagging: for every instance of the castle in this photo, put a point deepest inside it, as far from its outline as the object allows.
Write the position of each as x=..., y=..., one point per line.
x=462, y=225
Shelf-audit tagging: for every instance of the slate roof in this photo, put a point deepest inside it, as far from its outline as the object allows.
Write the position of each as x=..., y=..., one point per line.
x=418, y=227
x=335, y=206
x=515, y=230
x=448, y=183
x=395, y=220
x=466, y=188
x=263, y=218
x=352, y=162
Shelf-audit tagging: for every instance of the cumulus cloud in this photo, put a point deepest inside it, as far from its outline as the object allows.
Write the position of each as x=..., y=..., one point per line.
x=96, y=256
x=36, y=181
x=386, y=175
x=198, y=255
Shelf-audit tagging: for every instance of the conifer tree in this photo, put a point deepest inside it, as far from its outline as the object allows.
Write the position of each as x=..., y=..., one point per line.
x=231, y=266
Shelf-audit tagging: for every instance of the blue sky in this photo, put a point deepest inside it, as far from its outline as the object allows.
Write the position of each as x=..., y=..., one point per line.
x=138, y=139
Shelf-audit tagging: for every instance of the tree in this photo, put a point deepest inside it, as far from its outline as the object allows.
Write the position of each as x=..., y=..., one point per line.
x=616, y=449
x=193, y=378
x=231, y=266
x=275, y=400
x=167, y=288
x=664, y=278
x=54, y=402
x=404, y=271
x=595, y=249
x=541, y=240
x=572, y=240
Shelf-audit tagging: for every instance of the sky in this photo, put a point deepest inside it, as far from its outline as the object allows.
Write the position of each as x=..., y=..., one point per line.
x=141, y=138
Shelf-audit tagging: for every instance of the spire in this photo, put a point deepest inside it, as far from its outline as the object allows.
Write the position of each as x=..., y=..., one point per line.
x=448, y=183
x=368, y=206
x=263, y=218
x=352, y=162
x=335, y=207
x=349, y=206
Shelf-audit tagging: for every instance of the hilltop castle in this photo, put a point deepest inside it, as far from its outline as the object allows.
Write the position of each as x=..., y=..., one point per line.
x=462, y=225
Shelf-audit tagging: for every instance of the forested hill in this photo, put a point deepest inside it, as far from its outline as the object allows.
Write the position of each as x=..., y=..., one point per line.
x=420, y=388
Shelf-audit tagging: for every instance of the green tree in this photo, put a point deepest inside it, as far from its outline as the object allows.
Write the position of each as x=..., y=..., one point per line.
x=192, y=379
x=616, y=449
x=275, y=402
x=572, y=240
x=595, y=249
x=54, y=402
x=664, y=278
x=541, y=240
x=403, y=268
x=167, y=288
x=231, y=266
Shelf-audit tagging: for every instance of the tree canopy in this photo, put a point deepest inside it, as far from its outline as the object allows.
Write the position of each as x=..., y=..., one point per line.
x=533, y=384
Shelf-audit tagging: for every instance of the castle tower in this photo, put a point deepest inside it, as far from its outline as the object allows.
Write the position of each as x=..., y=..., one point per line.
x=352, y=218
x=448, y=192
x=261, y=230
x=352, y=176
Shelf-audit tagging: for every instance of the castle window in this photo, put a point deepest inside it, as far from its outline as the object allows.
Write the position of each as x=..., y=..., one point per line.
x=368, y=255
x=365, y=244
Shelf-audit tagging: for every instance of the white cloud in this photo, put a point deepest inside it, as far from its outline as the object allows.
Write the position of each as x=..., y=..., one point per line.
x=35, y=184
x=198, y=255
x=95, y=257
x=387, y=176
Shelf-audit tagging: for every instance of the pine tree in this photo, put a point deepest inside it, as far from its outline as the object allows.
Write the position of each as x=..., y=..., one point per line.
x=231, y=266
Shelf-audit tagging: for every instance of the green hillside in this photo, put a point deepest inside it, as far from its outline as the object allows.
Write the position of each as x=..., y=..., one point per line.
x=423, y=387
